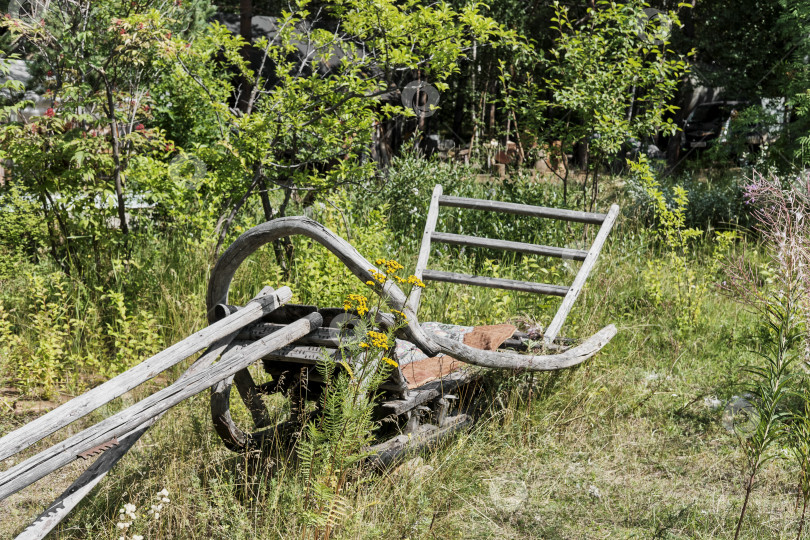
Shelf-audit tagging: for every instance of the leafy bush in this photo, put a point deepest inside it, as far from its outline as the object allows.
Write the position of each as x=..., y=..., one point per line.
x=716, y=202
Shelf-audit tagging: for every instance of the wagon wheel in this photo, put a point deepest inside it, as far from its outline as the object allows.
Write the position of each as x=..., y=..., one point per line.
x=248, y=243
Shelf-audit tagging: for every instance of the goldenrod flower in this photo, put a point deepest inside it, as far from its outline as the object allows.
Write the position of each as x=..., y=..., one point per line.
x=363, y=345
x=379, y=276
x=397, y=312
x=413, y=280
x=390, y=265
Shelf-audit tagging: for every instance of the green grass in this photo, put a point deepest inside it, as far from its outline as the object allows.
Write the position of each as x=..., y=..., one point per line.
x=624, y=446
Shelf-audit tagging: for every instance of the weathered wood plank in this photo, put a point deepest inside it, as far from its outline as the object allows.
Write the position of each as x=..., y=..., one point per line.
x=523, y=209
x=78, y=490
x=496, y=283
x=21, y=438
x=384, y=454
x=424, y=249
x=303, y=354
x=324, y=336
x=125, y=421
x=579, y=281
x=67, y=501
x=431, y=390
x=532, y=249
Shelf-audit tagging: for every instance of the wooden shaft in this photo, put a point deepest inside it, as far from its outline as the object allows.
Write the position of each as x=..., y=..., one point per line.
x=21, y=438
x=579, y=281
x=533, y=249
x=523, y=209
x=125, y=421
x=495, y=283
x=67, y=501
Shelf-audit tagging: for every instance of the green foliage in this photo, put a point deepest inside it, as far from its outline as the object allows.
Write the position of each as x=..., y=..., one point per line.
x=304, y=122
x=51, y=338
x=96, y=64
x=22, y=233
x=608, y=82
x=40, y=348
x=134, y=335
x=673, y=276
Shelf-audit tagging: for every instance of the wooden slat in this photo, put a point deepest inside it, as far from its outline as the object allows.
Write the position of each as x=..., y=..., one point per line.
x=431, y=390
x=523, y=209
x=301, y=354
x=495, y=283
x=62, y=506
x=59, y=455
x=76, y=408
x=533, y=249
x=424, y=250
x=324, y=336
x=579, y=281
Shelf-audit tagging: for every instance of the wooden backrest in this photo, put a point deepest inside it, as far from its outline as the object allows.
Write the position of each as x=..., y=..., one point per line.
x=569, y=294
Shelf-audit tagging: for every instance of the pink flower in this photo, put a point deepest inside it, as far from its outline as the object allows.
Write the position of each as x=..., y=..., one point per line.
x=139, y=127
x=49, y=113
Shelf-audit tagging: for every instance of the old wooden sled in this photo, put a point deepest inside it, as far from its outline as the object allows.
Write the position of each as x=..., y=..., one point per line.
x=290, y=339
x=421, y=401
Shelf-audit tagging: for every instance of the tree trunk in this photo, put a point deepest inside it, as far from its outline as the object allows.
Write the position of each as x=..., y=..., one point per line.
x=116, y=153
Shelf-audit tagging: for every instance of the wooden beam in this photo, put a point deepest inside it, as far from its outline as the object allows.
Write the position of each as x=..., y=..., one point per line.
x=495, y=283
x=523, y=209
x=324, y=336
x=533, y=249
x=22, y=438
x=579, y=281
x=118, y=425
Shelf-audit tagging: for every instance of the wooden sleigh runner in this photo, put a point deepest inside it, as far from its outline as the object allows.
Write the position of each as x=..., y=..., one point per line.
x=420, y=400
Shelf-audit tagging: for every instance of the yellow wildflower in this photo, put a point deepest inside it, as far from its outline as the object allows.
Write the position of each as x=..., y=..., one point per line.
x=390, y=265
x=357, y=302
x=363, y=345
x=378, y=340
x=379, y=276
x=389, y=361
x=413, y=280
x=397, y=312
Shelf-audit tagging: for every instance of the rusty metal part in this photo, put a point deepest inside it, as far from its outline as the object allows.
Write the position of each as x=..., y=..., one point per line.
x=96, y=450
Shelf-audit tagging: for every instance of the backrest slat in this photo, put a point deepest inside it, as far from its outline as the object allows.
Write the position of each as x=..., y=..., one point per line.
x=523, y=209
